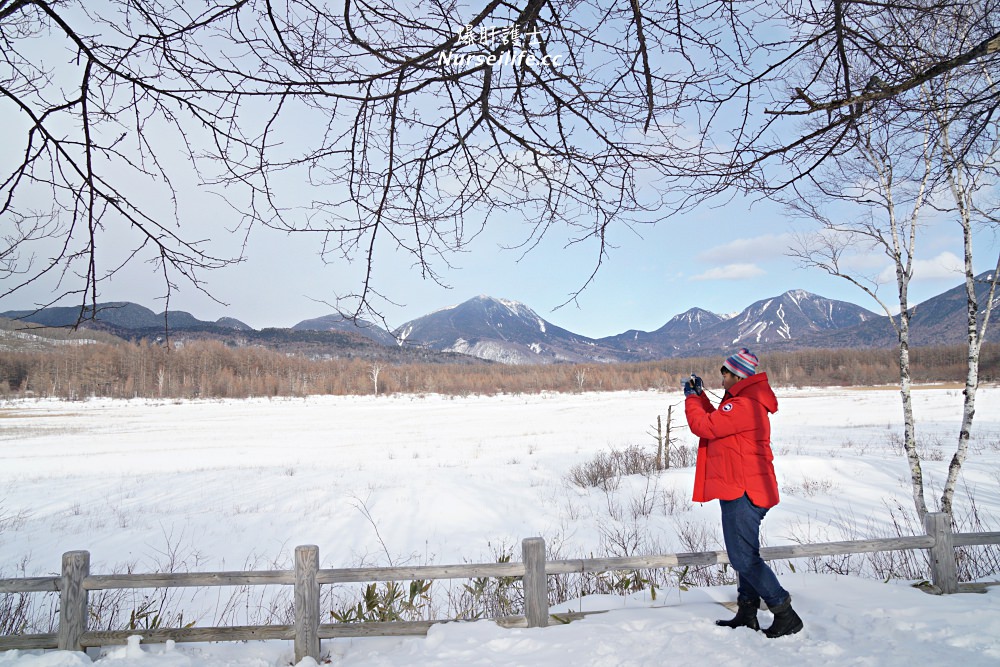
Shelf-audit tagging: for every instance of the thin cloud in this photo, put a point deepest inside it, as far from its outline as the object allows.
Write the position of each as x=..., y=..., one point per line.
x=731, y=272
x=946, y=266
x=768, y=246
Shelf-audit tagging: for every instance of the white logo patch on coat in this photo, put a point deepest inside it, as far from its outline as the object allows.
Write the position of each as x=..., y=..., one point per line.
x=727, y=407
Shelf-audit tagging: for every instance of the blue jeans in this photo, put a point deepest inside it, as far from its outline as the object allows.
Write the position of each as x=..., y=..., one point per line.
x=741, y=532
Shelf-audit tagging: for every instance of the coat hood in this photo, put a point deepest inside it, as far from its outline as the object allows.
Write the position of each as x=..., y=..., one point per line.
x=756, y=387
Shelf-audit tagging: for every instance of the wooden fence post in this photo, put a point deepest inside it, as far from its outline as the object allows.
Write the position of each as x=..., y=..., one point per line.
x=536, y=589
x=944, y=574
x=73, y=600
x=306, y=603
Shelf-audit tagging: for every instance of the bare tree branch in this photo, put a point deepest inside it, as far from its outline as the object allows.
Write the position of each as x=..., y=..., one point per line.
x=393, y=129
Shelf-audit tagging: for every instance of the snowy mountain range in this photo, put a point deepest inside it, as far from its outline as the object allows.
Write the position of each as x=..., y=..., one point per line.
x=511, y=332
x=501, y=330
x=782, y=320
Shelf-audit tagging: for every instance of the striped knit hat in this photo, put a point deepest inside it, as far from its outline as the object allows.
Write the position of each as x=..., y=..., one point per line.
x=743, y=364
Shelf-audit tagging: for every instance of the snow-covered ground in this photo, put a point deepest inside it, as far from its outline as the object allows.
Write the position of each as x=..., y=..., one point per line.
x=232, y=485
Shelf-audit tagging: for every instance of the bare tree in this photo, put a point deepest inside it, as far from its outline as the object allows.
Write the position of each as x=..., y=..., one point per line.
x=419, y=124
x=890, y=183
x=971, y=172
x=902, y=161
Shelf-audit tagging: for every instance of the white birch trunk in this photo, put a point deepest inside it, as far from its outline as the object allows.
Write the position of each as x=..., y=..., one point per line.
x=971, y=383
x=975, y=334
x=909, y=428
x=902, y=253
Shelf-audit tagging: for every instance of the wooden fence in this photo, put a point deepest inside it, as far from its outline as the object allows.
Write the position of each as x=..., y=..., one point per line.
x=76, y=582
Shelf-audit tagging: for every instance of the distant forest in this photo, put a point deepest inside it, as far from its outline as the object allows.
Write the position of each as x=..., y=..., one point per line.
x=211, y=369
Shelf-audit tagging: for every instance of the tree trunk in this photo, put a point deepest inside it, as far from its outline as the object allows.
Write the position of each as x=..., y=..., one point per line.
x=975, y=336
x=659, y=439
x=905, y=390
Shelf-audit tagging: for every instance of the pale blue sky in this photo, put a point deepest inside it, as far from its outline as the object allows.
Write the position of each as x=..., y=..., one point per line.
x=718, y=259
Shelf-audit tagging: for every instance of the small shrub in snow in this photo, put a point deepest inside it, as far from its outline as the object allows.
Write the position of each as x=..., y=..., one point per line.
x=606, y=469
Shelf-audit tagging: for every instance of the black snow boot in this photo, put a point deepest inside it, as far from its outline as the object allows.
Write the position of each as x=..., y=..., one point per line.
x=746, y=616
x=786, y=621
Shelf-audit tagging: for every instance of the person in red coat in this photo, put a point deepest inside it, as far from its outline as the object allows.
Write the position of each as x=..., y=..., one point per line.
x=734, y=466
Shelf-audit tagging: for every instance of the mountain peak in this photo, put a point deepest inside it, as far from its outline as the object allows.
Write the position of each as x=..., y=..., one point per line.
x=339, y=322
x=695, y=315
x=515, y=307
x=501, y=330
x=797, y=295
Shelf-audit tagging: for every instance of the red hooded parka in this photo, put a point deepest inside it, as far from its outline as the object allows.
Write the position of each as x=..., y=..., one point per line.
x=734, y=453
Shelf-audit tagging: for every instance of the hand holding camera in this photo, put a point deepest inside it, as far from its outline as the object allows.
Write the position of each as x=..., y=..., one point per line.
x=693, y=386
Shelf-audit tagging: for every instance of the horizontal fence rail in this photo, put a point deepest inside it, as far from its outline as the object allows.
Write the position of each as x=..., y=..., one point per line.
x=307, y=577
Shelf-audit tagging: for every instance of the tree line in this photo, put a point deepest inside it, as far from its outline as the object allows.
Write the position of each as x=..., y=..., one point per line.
x=212, y=369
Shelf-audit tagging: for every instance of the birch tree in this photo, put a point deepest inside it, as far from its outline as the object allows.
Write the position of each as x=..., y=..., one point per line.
x=971, y=173
x=951, y=177
x=373, y=374
x=890, y=181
